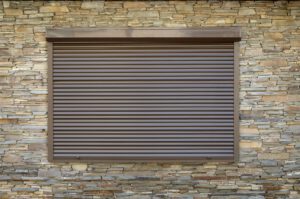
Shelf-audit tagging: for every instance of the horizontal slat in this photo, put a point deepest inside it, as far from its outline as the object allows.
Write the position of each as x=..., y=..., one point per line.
x=193, y=142
x=176, y=62
x=187, y=147
x=138, y=45
x=144, y=101
x=148, y=128
x=139, y=105
x=96, y=109
x=224, y=151
x=143, y=66
x=143, y=136
x=145, y=59
x=129, y=51
x=183, y=54
x=141, y=78
x=147, y=132
x=82, y=120
x=85, y=70
x=123, y=90
x=135, y=85
x=117, y=140
x=140, y=75
x=177, y=156
x=187, y=124
x=142, y=116
x=146, y=113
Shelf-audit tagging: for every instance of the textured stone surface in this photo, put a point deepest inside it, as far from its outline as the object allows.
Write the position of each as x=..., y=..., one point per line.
x=269, y=166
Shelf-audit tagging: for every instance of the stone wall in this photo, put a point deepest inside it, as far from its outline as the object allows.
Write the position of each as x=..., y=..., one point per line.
x=269, y=165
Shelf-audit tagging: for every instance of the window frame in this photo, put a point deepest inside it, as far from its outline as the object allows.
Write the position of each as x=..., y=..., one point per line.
x=207, y=35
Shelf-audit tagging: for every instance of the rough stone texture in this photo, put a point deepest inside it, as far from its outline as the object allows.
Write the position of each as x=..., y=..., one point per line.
x=269, y=165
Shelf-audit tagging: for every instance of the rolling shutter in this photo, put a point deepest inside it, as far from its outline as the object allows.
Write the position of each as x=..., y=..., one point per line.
x=142, y=98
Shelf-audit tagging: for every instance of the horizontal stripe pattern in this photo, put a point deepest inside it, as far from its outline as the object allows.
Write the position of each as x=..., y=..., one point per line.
x=143, y=100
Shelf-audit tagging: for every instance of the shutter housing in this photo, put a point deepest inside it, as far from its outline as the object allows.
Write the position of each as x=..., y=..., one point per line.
x=140, y=94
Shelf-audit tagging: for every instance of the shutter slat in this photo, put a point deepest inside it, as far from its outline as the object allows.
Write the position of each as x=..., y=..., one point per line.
x=143, y=99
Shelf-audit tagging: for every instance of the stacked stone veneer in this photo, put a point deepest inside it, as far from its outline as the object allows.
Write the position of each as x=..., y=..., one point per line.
x=269, y=165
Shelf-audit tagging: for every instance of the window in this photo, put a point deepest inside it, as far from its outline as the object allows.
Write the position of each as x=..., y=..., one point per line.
x=143, y=94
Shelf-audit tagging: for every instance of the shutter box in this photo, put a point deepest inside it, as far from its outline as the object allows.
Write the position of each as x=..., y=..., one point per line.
x=143, y=94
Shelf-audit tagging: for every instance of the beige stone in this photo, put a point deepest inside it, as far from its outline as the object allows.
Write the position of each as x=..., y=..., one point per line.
x=79, y=167
x=253, y=52
x=295, y=43
x=231, y=4
x=143, y=14
x=24, y=29
x=11, y=158
x=247, y=11
x=92, y=5
x=293, y=98
x=273, y=156
x=6, y=4
x=13, y=12
x=274, y=63
x=184, y=8
x=275, y=98
x=276, y=36
x=245, y=130
x=37, y=146
x=135, y=5
x=250, y=144
x=54, y=9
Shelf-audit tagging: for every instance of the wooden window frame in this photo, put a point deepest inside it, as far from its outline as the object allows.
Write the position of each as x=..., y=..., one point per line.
x=205, y=35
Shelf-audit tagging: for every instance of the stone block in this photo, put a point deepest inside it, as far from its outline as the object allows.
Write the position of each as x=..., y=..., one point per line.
x=135, y=4
x=143, y=14
x=184, y=8
x=276, y=63
x=99, y=5
x=276, y=36
x=79, y=167
x=273, y=156
x=13, y=12
x=54, y=9
x=250, y=144
x=12, y=158
x=247, y=11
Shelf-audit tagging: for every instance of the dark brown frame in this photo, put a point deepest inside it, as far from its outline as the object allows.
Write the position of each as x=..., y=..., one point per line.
x=211, y=34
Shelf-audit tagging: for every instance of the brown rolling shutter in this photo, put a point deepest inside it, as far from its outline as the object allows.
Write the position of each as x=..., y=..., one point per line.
x=142, y=99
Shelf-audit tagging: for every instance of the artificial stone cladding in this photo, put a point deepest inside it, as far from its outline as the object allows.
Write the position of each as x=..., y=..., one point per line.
x=269, y=165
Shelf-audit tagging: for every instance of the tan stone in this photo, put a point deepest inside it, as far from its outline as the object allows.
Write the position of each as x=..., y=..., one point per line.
x=134, y=5
x=250, y=144
x=231, y=4
x=276, y=36
x=37, y=146
x=273, y=156
x=293, y=108
x=247, y=11
x=13, y=12
x=99, y=5
x=253, y=52
x=79, y=167
x=274, y=63
x=144, y=14
x=274, y=98
x=295, y=43
x=293, y=98
x=54, y=9
x=11, y=158
x=245, y=130
x=24, y=29
x=184, y=8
